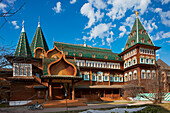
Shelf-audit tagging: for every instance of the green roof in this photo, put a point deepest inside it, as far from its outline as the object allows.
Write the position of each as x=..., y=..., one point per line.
x=140, y=36
x=23, y=48
x=87, y=52
x=38, y=41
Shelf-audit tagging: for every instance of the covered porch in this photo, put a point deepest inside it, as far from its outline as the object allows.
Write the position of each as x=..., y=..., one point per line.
x=61, y=86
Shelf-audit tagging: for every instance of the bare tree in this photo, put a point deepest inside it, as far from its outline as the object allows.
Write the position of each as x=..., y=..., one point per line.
x=10, y=12
x=154, y=88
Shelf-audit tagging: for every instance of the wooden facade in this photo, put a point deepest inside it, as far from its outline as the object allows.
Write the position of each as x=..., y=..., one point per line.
x=80, y=71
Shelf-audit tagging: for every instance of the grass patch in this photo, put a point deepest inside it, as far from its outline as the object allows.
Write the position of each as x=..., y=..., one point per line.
x=4, y=105
x=154, y=109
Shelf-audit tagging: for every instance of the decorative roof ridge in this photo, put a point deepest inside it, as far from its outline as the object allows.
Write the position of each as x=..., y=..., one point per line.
x=82, y=46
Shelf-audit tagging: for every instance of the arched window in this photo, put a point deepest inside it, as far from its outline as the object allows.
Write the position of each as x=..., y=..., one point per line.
x=130, y=76
x=142, y=40
x=132, y=42
x=153, y=74
x=126, y=46
x=143, y=74
x=148, y=74
x=135, y=75
x=126, y=77
x=140, y=31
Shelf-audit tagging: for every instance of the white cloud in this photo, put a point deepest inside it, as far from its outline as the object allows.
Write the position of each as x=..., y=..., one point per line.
x=168, y=41
x=165, y=1
x=150, y=25
x=110, y=40
x=72, y=1
x=100, y=31
x=57, y=8
x=165, y=16
x=119, y=7
x=158, y=10
x=2, y=7
x=77, y=39
x=161, y=35
x=123, y=29
x=92, y=11
x=14, y=23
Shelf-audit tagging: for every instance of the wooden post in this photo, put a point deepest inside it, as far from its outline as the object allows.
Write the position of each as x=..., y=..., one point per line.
x=68, y=90
x=104, y=95
x=90, y=77
x=139, y=76
x=73, y=95
x=98, y=93
x=109, y=78
x=50, y=91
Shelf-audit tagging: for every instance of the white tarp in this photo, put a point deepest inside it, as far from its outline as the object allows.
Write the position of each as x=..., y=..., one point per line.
x=18, y=103
x=116, y=110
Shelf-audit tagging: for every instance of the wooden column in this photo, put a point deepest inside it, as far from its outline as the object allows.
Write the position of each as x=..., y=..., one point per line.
x=98, y=93
x=112, y=93
x=68, y=90
x=139, y=76
x=50, y=91
x=73, y=91
x=109, y=78
x=44, y=94
x=90, y=77
x=104, y=95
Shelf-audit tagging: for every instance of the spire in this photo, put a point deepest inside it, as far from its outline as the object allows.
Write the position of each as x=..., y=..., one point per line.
x=138, y=34
x=23, y=48
x=39, y=22
x=38, y=40
x=23, y=29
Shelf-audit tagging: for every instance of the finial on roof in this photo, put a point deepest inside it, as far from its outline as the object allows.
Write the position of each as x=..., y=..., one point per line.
x=39, y=21
x=23, y=29
x=85, y=45
x=136, y=13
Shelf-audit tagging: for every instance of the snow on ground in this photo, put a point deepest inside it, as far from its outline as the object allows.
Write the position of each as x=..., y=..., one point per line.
x=116, y=110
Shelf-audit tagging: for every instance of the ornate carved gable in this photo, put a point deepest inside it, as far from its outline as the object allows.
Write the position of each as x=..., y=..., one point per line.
x=62, y=67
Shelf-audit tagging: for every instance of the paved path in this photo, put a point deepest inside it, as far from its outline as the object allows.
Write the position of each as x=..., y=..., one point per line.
x=90, y=106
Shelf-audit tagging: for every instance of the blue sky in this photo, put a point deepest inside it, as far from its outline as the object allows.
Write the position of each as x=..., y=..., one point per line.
x=99, y=23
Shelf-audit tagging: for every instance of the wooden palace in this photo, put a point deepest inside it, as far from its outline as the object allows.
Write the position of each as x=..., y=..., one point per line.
x=78, y=70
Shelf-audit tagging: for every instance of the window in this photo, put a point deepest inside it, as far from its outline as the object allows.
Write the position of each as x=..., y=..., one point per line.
x=132, y=43
x=21, y=69
x=100, y=76
x=142, y=40
x=94, y=77
x=105, y=57
x=153, y=74
x=66, y=53
x=134, y=75
x=111, y=78
x=141, y=60
x=106, y=78
x=147, y=61
x=148, y=74
x=130, y=76
x=152, y=61
x=126, y=77
x=80, y=54
x=93, y=56
x=116, y=79
x=86, y=76
x=143, y=74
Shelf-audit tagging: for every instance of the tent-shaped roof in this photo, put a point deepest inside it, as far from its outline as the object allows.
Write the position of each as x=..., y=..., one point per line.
x=38, y=41
x=23, y=48
x=137, y=35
